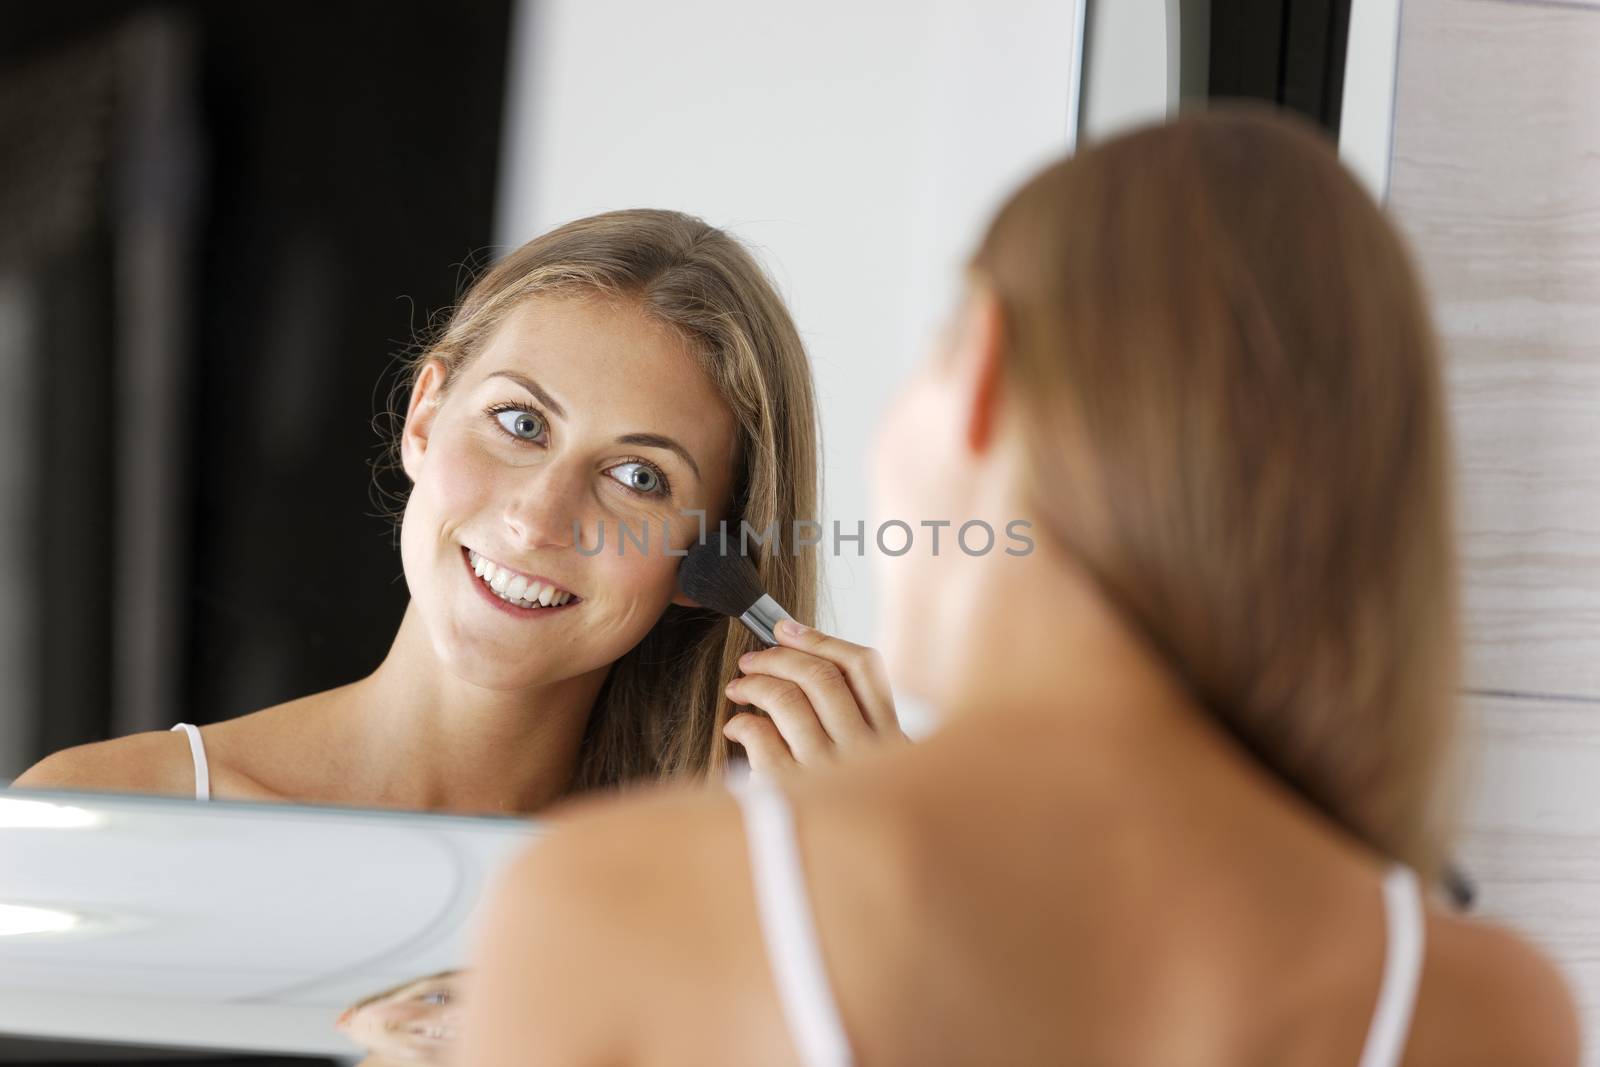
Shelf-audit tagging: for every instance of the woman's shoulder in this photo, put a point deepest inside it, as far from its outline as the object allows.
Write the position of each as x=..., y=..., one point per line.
x=157, y=761
x=161, y=761
x=639, y=874
x=1518, y=1000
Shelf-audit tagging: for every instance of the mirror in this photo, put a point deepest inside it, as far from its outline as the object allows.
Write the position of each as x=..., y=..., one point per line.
x=202, y=335
x=226, y=927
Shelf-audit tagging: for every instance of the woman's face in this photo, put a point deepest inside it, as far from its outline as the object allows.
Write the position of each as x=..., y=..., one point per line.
x=414, y=1024
x=580, y=417
x=925, y=469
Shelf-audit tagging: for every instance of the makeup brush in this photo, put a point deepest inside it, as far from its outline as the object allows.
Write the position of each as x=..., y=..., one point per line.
x=718, y=576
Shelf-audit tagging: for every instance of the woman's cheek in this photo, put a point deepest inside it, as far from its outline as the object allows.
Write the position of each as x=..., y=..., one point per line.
x=462, y=481
x=917, y=454
x=648, y=575
x=889, y=462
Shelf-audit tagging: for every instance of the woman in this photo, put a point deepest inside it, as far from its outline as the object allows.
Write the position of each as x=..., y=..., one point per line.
x=624, y=375
x=410, y=1023
x=1191, y=765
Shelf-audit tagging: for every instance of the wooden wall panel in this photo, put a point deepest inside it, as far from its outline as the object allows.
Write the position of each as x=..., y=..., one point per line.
x=1496, y=177
x=1531, y=841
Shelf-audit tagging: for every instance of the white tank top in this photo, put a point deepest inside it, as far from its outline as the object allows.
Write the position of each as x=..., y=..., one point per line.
x=806, y=996
x=197, y=751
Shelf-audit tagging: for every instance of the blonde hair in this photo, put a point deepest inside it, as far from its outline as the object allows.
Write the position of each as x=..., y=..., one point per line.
x=1233, y=413
x=661, y=709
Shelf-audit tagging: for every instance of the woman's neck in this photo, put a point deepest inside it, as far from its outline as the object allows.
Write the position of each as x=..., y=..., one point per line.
x=429, y=740
x=1036, y=634
x=1072, y=693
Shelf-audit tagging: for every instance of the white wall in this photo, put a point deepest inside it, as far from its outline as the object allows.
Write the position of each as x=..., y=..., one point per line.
x=1366, y=115
x=1132, y=75
x=859, y=147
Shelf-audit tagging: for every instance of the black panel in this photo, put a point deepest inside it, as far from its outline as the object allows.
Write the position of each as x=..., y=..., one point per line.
x=350, y=155
x=1287, y=52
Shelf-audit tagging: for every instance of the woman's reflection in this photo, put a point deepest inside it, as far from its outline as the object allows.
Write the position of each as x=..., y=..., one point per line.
x=411, y=1023
x=622, y=371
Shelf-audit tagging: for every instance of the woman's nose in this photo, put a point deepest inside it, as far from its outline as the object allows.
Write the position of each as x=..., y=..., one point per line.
x=546, y=510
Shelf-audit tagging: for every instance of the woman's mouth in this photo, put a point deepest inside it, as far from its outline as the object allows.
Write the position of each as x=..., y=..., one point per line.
x=514, y=590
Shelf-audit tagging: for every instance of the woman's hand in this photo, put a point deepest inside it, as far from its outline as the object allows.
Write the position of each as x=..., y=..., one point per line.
x=824, y=699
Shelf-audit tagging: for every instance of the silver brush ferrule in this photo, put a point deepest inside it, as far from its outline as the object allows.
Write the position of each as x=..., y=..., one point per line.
x=762, y=616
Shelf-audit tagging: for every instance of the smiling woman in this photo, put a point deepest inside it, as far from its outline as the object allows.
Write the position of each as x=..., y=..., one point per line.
x=595, y=397
x=598, y=379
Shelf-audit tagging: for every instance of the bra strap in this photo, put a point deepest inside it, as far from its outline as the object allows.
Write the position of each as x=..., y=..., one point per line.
x=1402, y=969
x=197, y=750
x=787, y=925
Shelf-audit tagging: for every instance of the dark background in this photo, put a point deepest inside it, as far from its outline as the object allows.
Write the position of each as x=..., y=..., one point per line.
x=345, y=175
x=1290, y=52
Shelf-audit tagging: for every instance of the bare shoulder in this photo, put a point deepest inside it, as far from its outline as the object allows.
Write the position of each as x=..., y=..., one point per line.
x=596, y=846
x=1518, y=999
x=611, y=939
x=153, y=762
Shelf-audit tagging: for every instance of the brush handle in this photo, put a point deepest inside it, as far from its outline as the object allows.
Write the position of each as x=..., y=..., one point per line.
x=762, y=616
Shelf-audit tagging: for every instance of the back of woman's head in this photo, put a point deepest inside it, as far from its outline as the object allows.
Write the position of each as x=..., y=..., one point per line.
x=1232, y=412
x=662, y=707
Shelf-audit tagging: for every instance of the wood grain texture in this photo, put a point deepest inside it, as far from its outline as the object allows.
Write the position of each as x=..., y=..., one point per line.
x=1496, y=179
x=1530, y=838
x=1588, y=4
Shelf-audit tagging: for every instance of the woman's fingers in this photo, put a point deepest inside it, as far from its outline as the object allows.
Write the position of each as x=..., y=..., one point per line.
x=822, y=683
x=821, y=694
x=763, y=745
x=790, y=708
x=861, y=665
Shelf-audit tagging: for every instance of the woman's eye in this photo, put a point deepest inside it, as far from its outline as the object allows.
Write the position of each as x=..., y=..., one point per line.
x=438, y=996
x=640, y=477
x=519, y=423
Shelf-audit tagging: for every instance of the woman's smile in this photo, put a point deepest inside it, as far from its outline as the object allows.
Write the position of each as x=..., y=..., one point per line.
x=522, y=595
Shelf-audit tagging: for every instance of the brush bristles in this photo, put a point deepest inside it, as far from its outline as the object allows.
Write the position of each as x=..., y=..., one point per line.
x=715, y=575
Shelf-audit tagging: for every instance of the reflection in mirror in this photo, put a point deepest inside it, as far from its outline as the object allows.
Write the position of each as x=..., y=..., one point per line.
x=631, y=374
x=415, y=1022
x=151, y=922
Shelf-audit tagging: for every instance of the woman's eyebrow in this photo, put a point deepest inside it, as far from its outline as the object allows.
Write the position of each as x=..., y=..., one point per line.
x=535, y=388
x=655, y=440
x=644, y=440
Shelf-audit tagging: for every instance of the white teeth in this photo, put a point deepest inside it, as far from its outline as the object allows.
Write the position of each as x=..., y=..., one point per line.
x=515, y=588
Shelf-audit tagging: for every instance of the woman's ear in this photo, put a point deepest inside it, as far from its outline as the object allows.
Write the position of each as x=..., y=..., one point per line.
x=426, y=397
x=978, y=350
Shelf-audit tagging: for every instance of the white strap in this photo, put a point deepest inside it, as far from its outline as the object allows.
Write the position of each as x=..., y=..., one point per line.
x=786, y=923
x=1402, y=970
x=197, y=749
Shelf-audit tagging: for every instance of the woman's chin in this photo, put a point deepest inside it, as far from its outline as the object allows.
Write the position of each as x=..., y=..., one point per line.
x=501, y=677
